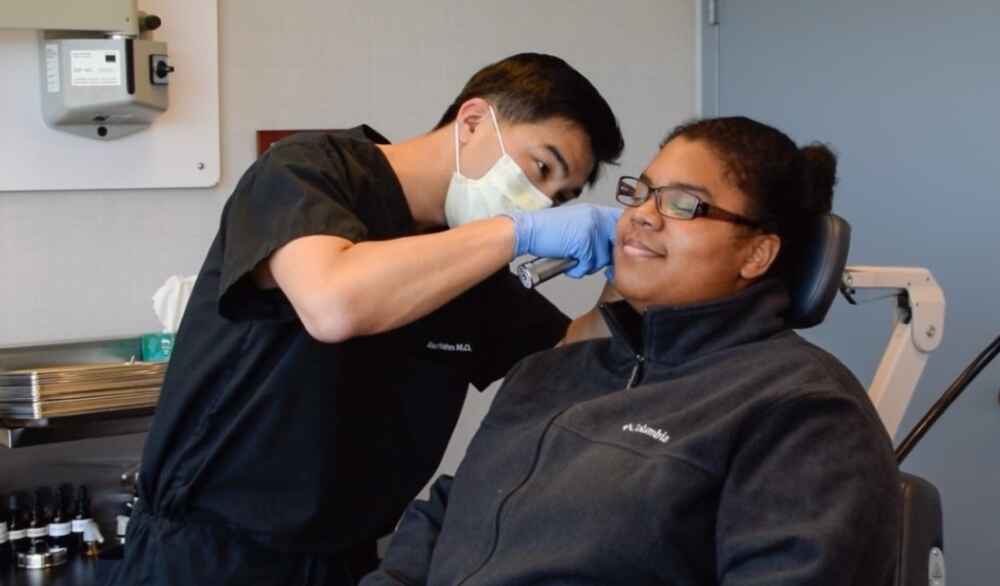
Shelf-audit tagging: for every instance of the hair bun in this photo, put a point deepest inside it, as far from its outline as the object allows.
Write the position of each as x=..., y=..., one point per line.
x=820, y=175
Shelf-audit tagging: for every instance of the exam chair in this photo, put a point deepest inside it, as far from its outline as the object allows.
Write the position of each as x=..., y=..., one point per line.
x=821, y=272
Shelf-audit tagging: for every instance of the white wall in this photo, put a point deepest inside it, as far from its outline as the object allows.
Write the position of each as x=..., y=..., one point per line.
x=84, y=264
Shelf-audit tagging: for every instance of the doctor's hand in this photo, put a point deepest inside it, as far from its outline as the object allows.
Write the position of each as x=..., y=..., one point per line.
x=584, y=232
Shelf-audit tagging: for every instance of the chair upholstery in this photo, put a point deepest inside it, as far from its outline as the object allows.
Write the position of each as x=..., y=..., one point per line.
x=819, y=271
x=921, y=535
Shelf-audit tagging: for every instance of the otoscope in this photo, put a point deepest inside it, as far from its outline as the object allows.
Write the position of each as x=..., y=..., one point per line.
x=536, y=271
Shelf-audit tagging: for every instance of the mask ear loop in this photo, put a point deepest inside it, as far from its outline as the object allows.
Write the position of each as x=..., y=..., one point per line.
x=493, y=116
x=496, y=125
x=458, y=168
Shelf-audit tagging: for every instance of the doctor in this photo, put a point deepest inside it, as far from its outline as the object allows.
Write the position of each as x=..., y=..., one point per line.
x=353, y=291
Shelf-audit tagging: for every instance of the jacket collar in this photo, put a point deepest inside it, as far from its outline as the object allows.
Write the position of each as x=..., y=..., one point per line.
x=676, y=334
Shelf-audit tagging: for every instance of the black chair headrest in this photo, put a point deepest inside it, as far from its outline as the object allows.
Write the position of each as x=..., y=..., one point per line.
x=816, y=279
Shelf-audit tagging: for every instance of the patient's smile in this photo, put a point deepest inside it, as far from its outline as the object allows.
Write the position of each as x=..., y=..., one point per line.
x=634, y=248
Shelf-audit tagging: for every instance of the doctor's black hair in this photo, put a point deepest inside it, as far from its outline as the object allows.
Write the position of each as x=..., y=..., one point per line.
x=788, y=186
x=532, y=87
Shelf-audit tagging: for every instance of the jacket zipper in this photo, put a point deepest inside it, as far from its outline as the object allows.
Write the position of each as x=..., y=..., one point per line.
x=617, y=329
x=637, y=371
x=509, y=495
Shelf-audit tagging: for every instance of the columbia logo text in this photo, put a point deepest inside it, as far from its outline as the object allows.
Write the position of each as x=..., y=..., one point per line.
x=657, y=434
x=460, y=347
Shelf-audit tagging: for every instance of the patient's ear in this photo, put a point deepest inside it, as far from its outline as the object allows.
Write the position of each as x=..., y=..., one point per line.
x=763, y=250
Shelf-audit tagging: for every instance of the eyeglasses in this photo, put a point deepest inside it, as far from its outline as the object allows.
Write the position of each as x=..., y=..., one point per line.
x=674, y=202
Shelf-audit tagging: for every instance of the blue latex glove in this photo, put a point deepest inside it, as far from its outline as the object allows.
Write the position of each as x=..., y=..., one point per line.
x=584, y=232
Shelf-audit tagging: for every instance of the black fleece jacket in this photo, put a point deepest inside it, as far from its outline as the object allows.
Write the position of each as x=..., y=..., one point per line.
x=699, y=445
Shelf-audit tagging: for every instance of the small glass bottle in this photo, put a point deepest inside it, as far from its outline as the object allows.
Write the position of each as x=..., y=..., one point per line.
x=124, y=515
x=38, y=526
x=84, y=528
x=17, y=526
x=6, y=551
x=60, y=525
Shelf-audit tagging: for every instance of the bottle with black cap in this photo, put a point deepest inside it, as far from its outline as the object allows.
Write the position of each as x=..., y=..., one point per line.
x=38, y=526
x=82, y=525
x=17, y=526
x=61, y=525
x=6, y=552
x=124, y=515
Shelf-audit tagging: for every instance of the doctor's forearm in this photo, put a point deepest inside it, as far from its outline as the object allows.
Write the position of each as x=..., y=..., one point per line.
x=382, y=285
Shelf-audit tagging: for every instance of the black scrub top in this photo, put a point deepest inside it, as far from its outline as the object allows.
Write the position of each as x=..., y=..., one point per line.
x=304, y=445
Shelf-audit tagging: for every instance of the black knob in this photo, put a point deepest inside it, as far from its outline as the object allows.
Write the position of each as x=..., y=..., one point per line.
x=149, y=22
x=162, y=69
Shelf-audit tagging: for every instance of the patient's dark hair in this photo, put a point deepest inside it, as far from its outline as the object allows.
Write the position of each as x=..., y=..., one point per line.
x=531, y=87
x=788, y=186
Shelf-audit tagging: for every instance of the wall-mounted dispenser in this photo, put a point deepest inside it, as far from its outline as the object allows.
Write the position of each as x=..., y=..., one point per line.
x=101, y=75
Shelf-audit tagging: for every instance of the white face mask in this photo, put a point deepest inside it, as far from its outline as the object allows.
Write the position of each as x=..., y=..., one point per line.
x=503, y=189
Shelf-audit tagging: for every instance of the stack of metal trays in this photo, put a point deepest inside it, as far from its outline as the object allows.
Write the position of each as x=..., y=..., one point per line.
x=58, y=391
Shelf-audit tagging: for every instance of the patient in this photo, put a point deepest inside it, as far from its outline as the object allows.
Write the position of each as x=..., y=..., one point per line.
x=704, y=442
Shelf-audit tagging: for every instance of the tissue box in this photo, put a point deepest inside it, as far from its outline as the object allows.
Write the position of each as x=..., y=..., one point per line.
x=157, y=347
